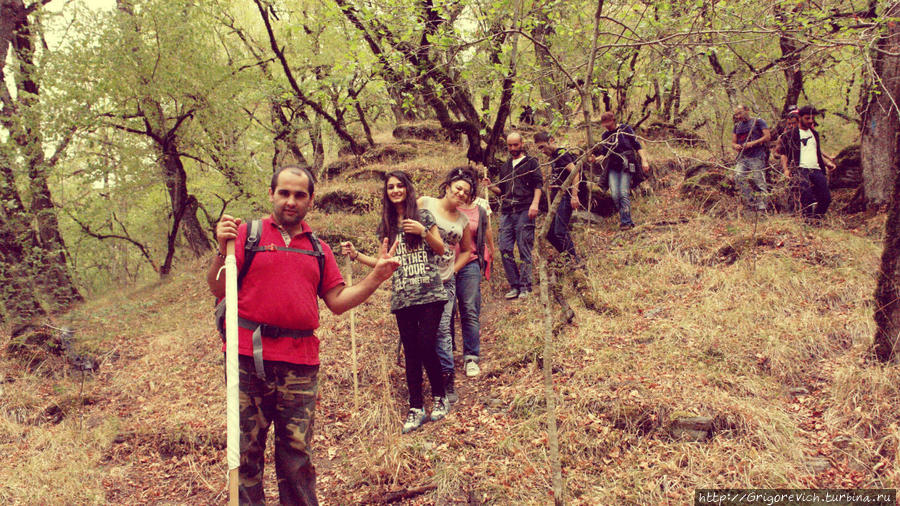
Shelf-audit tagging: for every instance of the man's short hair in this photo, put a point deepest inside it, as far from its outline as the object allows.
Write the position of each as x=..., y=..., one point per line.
x=807, y=109
x=541, y=137
x=516, y=135
x=296, y=169
x=607, y=116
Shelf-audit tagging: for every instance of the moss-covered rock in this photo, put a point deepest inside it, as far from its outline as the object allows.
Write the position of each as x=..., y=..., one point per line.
x=340, y=201
x=848, y=170
x=425, y=131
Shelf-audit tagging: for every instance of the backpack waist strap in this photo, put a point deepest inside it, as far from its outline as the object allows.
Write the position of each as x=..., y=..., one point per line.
x=267, y=330
x=263, y=329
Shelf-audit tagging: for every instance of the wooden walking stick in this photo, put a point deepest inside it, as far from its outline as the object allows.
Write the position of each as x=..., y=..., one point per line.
x=233, y=423
x=353, y=338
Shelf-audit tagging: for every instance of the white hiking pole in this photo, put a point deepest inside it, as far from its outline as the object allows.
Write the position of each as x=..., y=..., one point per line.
x=353, y=338
x=233, y=427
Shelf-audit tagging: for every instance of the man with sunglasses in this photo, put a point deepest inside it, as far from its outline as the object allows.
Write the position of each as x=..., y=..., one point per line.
x=801, y=156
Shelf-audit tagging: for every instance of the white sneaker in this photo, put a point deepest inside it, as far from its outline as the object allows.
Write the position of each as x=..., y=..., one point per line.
x=414, y=419
x=472, y=369
x=440, y=409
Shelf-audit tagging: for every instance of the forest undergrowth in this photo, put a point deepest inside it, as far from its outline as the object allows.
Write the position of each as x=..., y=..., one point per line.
x=723, y=351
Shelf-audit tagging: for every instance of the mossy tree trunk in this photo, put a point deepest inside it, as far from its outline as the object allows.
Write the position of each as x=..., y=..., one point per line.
x=887, y=293
x=880, y=123
x=883, y=112
x=43, y=249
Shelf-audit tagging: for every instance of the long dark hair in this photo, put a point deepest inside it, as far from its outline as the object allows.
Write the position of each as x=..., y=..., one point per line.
x=460, y=174
x=390, y=224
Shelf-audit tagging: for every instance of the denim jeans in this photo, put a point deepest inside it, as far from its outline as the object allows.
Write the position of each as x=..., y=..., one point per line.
x=444, y=344
x=620, y=191
x=558, y=235
x=814, y=190
x=468, y=297
x=754, y=168
x=516, y=229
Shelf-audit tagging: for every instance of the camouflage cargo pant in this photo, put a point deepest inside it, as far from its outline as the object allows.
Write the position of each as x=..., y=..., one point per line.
x=287, y=397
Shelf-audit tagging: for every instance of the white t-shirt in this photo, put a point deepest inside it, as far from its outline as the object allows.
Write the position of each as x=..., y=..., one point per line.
x=808, y=157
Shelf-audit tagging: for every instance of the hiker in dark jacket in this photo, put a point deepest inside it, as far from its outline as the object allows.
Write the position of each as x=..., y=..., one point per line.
x=622, y=154
x=801, y=157
x=749, y=139
x=519, y=190
x=562, y=164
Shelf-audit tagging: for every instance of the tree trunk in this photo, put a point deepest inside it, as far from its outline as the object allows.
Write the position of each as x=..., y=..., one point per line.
x=184, y=206
x=887, y=293
x=16, y=292
x=315, y=137
x=496, y=134
x=285, y=140
x=549, y=83
x=881, y=120
x=50, y=252
x=365, y=124
x=878, y=145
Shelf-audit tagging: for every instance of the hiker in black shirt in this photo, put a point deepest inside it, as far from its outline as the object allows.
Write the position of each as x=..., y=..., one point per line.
x=562, y=163
x=622, y=154
x=519, y=190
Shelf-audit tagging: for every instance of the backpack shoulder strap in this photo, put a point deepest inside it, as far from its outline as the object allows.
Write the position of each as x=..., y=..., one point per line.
x=254, y=232
x=320, y=258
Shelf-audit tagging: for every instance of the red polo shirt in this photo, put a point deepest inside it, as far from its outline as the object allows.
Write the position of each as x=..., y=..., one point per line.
x=280, y=289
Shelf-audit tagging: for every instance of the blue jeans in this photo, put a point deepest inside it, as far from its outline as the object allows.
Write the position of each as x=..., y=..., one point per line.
x=814, y=193
x=444, y=337
x=468, y=298
x=752, y=168
x=516, y=229
x=559, y=233
x=620, y=191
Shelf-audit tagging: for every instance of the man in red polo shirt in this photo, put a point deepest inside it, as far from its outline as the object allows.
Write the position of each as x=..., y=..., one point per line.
x=278, y=296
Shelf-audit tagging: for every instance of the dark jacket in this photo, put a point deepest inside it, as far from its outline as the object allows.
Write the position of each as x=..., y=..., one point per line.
x=620, y=146
x=790, y=146
x=517, y=184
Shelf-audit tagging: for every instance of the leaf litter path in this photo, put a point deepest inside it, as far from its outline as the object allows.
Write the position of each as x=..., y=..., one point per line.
x=476, y=447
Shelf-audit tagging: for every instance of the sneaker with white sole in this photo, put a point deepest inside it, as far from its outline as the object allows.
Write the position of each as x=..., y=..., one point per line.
x=440, y=409
x=512, y=294
x=524, y=294
x=472, y=369
x=414, y=419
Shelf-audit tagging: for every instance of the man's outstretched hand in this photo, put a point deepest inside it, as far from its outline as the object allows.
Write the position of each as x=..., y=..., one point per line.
x=387, y=263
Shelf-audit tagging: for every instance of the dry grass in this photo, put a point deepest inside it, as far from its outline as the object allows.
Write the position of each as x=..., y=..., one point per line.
x=702, y=314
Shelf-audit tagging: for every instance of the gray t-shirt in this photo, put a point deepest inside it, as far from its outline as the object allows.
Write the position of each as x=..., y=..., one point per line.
x=417, y=280
x=451, y=233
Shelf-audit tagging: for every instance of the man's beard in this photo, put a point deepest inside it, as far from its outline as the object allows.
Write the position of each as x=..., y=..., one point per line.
x=285, y=220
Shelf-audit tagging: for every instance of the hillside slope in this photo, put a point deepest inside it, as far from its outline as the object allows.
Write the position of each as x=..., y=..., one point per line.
x=723, y=352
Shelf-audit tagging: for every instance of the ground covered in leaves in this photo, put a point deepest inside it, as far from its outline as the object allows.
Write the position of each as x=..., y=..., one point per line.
x=721, y=351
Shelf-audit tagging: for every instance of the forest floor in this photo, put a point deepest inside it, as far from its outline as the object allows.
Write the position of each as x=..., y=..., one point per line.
x=756, y=329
